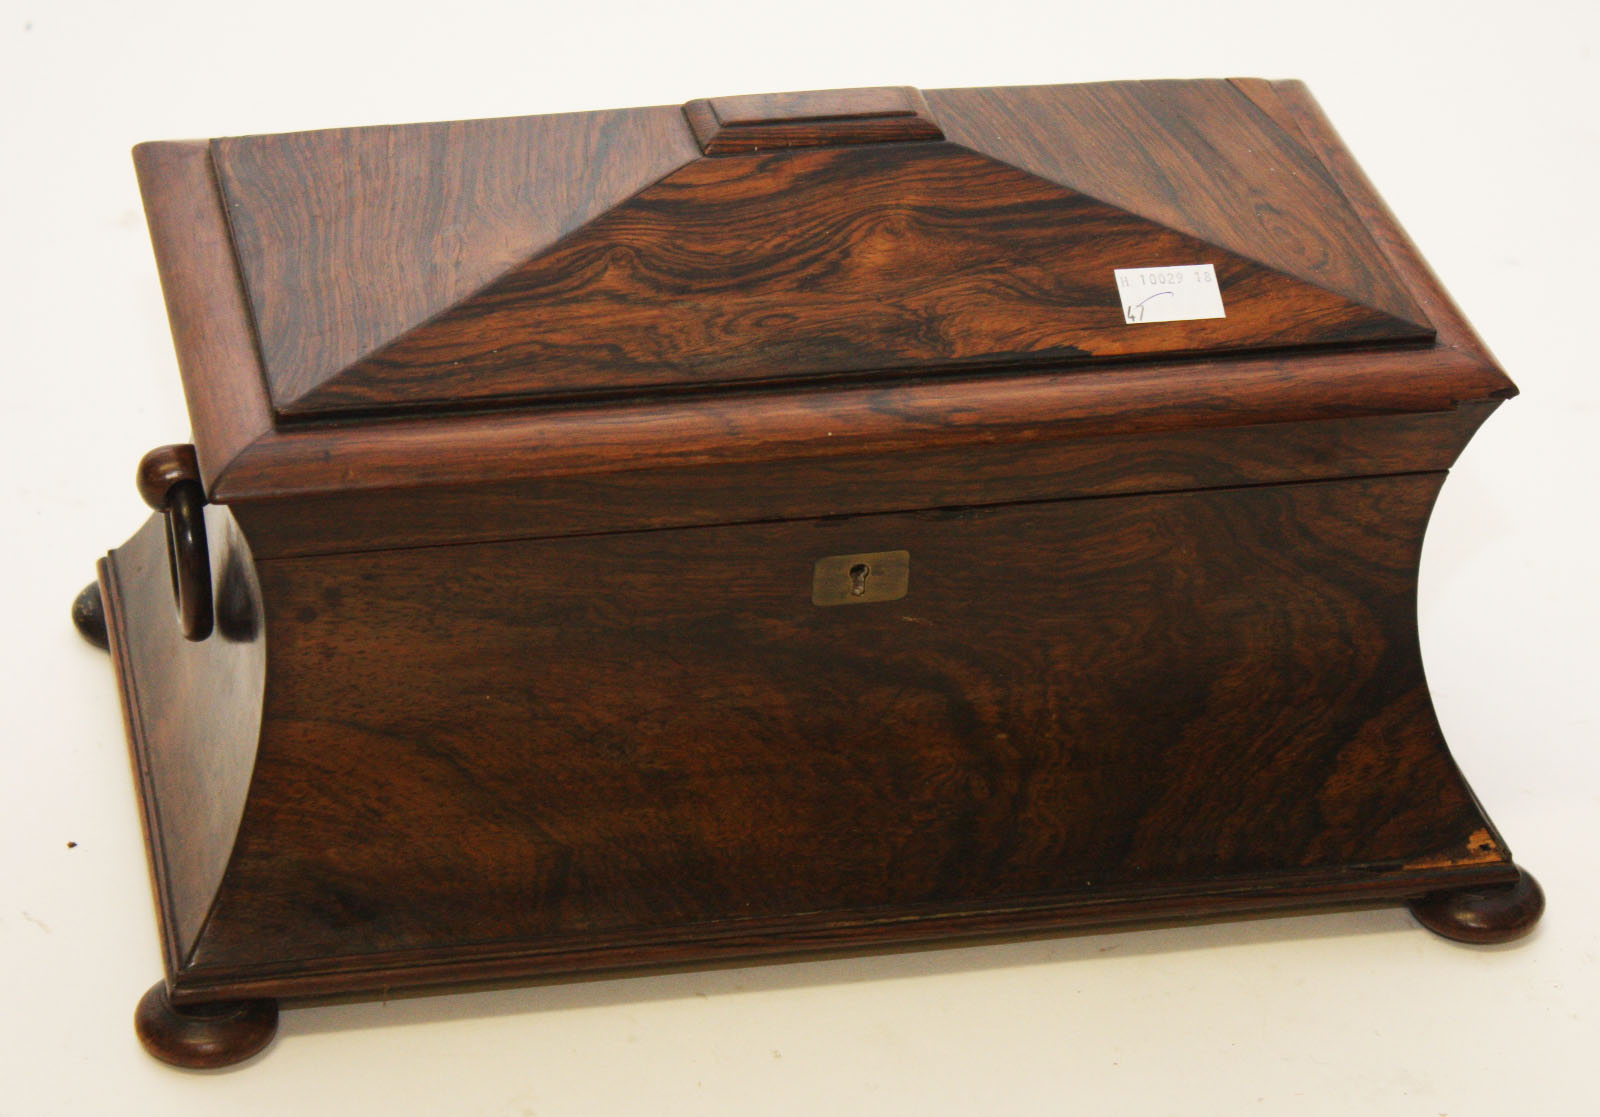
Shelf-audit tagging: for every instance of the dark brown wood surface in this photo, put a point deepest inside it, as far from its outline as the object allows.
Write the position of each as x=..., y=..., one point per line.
x=216, y=1034
x=1218, y=160
x=820, y=118
x=1483, y=914
x=161, y=469
x=1158, y=655
x=193, y=715
x=613, y=738
x=745, y=429
x=469, y=966
x=793, y=264
x=1296, y=102
x=823, y=262
x=244, y=459
x=929, y=476
x=223, y=382
x=348, y=238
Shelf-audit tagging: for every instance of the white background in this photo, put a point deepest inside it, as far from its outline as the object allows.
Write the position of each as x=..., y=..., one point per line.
x=1478, y=124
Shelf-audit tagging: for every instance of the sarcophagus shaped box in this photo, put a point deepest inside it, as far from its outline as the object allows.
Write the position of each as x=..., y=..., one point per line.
x=784, y=522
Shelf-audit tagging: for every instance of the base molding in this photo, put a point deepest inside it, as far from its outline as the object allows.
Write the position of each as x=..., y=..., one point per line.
x=836, y=933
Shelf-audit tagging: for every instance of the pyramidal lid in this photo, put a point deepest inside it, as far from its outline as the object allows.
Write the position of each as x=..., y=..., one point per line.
x=789, y=238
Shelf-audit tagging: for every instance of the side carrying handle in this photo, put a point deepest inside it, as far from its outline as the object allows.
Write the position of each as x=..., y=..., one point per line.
x=821, y=118
x=169, y=482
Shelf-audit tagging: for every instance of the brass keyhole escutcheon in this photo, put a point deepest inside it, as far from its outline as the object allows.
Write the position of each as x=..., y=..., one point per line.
x=861, y=579
x=858, y=579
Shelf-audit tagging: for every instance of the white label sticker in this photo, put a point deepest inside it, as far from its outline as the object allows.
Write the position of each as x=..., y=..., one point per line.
x=1177, y=294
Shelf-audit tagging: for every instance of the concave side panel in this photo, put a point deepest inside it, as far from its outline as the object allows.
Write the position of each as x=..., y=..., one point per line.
x=626, y=736
x=193, y=712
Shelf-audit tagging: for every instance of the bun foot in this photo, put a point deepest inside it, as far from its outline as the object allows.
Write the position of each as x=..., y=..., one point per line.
x=205, y=1035
x=89, y=616
x=1496, y=913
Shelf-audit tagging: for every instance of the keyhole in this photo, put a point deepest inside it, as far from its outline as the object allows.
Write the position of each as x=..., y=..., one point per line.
x=858, y=579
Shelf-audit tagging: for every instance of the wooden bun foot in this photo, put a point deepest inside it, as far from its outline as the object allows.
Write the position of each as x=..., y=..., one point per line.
x=1497, y=913
x=89, y=616
x=203, y=1036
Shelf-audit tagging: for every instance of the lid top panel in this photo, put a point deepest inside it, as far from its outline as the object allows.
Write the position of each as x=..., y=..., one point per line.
x=792, y=237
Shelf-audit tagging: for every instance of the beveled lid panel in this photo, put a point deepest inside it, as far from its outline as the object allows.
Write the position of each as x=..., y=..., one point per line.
x=350, y=238
x=1222, y=161
x=937, y=258
x=786, y=238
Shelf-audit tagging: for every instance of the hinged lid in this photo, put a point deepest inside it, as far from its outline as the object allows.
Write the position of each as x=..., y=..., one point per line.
x=785, y=238
x=794, y=240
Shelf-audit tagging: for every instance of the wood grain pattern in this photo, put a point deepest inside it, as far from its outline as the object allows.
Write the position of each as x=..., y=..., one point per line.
x=243, y=459
x=744, y=429
x=828, y=117
x=466, y=967
x=932, y=476
x=509, y=683
x=224, y=384
x=1454, y=329
x=469, y=966
x=823, y=262
x=769, y=267
x=193, y=714
x=349, y=237
x=1197, y=156
x=626, y=734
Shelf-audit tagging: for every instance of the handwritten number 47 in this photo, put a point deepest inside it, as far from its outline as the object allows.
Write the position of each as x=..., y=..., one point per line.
x=1135, y=311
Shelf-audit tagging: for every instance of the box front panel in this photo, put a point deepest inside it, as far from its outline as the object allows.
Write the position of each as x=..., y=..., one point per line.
x=548, y=741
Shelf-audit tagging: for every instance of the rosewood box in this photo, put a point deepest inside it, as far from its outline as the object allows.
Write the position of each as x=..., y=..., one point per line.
x=781, y=523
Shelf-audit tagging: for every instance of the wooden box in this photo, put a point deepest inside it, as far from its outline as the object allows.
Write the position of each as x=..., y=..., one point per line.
x=778, y=523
